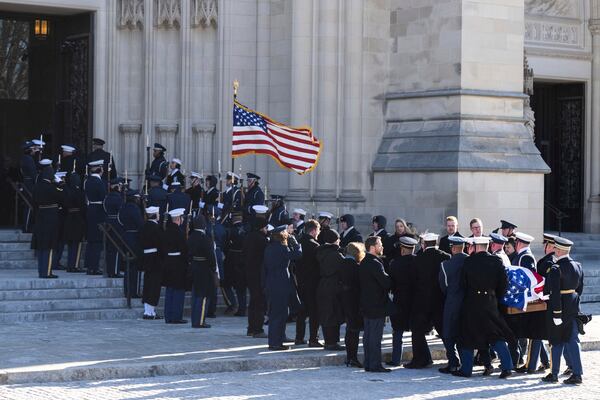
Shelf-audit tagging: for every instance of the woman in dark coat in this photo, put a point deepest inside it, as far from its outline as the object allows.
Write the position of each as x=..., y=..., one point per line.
x=350, y=297
x=282, y=249
x=74, y=225
x=331, y=314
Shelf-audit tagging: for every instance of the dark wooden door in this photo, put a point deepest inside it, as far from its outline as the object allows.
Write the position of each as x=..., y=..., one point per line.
x=559, y=134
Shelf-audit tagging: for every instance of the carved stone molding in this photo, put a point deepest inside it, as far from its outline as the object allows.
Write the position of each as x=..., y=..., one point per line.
x=130, y=14
x=168, y=13
x=131, y=128
x=165, y=129
x=553, y=33
x=204, y=13
x=204, y=128
x=594, y=26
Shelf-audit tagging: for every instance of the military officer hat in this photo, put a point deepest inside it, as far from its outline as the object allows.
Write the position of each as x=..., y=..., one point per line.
x=27, y=144
x=45, y=162
x=429, y=237
x=152, y=210
x=259, y=209
x=61, y=174
x=176, y=161
x=230, y=175
x=549, y=238
x=523, y=237
x=250, y=175
x=98, y=142
x=330, y=235
x=379, y=220
x=211, y=179
x=67, y=148
x=195, y=175
x=498, y=238
x=347, y=218
x=300, y=211
x=96, y=163
x=276, y=197
x=325, y=214
x=154, y=178
x=406, y=241
x=507, y=225
x=269, y=227
x=175, y=184
x=456, y=240
x=38, y=142
x=177, y=212
x=159, y=147
x=562, y=243
x=479, y=240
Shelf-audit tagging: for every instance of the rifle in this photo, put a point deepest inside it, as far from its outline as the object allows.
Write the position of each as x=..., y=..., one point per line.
x=166, y=216
x=110, y=170
x=189, y=219
x=58, y=163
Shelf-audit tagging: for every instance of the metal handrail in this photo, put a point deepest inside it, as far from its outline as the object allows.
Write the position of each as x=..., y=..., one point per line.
x=560, y=214
x=111, y=234
x=20, y=192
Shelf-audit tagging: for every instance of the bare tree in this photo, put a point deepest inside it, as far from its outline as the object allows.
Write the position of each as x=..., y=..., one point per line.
x=14, y=41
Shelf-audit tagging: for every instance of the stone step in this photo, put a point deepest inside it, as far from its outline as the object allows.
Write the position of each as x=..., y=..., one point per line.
x=18, y=265
x=63, y=282
x=62, y=294
x=23, y=246
x=18, y=306
x=17, y=255
x=9, y=235
x=590, y=298
x=70, y=315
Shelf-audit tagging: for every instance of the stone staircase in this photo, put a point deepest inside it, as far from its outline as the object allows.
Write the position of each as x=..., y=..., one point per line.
x=586, y=250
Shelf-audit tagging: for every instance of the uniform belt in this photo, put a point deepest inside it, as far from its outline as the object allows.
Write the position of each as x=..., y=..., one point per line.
x=131, y=231
x=150, y=251
x=177, y=253
x=199, y=258
x=74, y=209
x=48, y=206
x=95, y=202
x=567, y=291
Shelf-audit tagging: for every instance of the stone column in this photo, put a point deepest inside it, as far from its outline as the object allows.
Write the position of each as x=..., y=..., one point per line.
x=303, y=59
x=593, y=219
x=455, y=140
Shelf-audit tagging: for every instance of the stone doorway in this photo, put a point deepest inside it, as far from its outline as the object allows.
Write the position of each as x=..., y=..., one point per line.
x=46, y=86
x=559, y=135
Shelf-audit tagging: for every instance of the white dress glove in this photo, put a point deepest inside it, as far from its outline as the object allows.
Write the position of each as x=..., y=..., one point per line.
x=557, y=321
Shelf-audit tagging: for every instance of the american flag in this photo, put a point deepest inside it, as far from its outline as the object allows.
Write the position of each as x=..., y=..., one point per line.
x=293, y=148
x=524, y=286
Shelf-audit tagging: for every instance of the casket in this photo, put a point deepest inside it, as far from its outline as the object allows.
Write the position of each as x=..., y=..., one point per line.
x=533, y=306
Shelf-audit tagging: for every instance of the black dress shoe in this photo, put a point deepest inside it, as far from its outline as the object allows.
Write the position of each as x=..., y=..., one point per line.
x=288, y=340
x=334, y=347
x=279, y=348
x=550, y=378
x=147, y=316
x=568, y=371
x=447, y=369
x=299, y=342
x=460, y=373
x=392, y=364
x=260, y=335
x=158, y=316
x=412, y=365
x=94, y=273
x=354, y=363
x=522, y=369
x=315, y=344
x=180, y=321
x=573, y=380
x=505, y=373
x=59, y=267
x=487, y=371
x=543, y=367
x=201, y=326
x=381, y=369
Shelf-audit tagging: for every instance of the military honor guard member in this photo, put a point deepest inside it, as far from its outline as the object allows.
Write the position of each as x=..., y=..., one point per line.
x=232, y=197
x=175, y=250
x=282, y=249
x=349, y=232
x=74, y=224
x=95, y=192
x=235, y=275
x=195, y=191
x=175, y=174
x=157, y=195
x=29, y=173
x=497, y=242
x=204, y=267
x=47, y=196
x=325, y=223
x=254, y=196
x=507, y=228
x=68, y=161
x=278, y=214
x=159, y=166
x=112, y=205
x=375, y=285
x=545, y=263
x=451, y=284
x=211, y=195
x=151, y=261
x=484, y=281
x=565, y=285
x=253, y=251
x=131, y=219
x=108, y=162
x=401, y=272
x=177, y=198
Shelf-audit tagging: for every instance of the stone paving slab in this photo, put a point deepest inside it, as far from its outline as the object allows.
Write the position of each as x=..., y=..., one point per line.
x=97, y=350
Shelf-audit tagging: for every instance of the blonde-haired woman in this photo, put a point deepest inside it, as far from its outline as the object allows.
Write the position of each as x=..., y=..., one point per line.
x=355, y=252
x=282, y=249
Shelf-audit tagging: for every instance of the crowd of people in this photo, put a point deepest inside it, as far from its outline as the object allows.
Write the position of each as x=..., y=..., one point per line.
x=274, y=268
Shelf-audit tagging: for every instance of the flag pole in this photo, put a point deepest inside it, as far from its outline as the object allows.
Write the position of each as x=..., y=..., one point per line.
x=236, y=85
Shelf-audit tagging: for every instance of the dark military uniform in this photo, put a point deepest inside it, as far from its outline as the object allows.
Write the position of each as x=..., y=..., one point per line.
x=350, y=235
x=131, y=219
x=180, y=199
x=565, y=285
x=219, y=235
x=175, y=176
x=46, y=196
x=203, y=267
x=428, y=303
x=234, y=266
x=29, y=174
x=157, y=197
x=254, y=246
x=74, y=224
x=175, y=278
x=253, y=197
x=95, y=191
x=401, y=272
x=151, y=261
x=308, y=275
x=195, y=193
x=279, y=216
x=112, y=204
x=100, y=154
x=159, y=167
x=232, y=200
